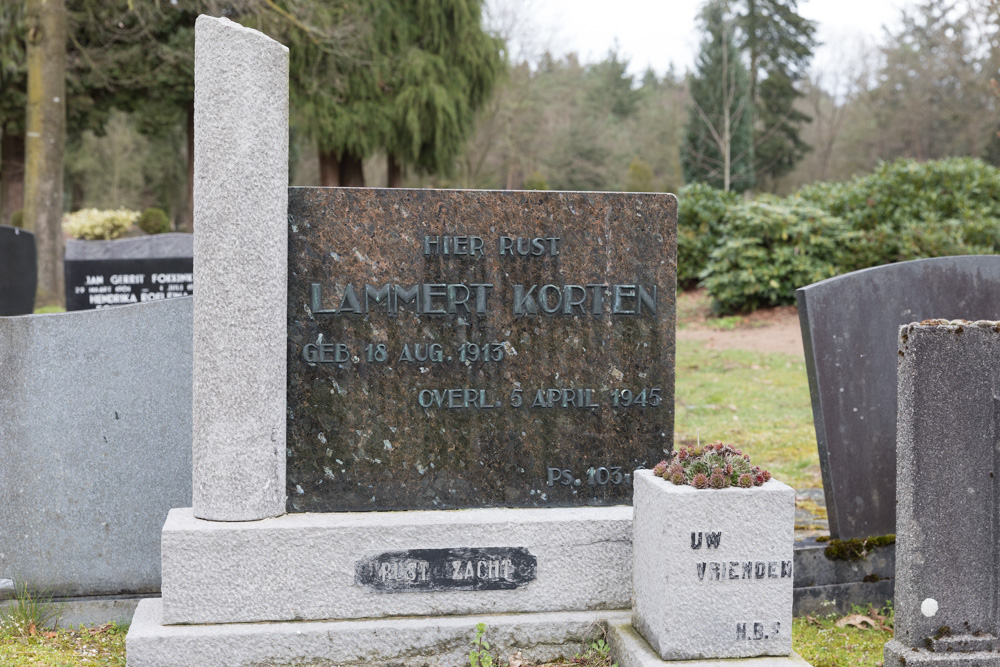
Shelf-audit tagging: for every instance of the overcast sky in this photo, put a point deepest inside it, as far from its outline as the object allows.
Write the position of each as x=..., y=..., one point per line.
x=658, y=32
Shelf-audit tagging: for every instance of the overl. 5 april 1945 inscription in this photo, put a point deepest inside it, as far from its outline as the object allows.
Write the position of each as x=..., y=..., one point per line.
x=462, y=349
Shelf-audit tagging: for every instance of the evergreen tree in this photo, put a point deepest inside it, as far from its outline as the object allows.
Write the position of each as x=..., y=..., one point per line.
x=424, y=69
x=13, y=87
x=778, y=43
x=718, y=145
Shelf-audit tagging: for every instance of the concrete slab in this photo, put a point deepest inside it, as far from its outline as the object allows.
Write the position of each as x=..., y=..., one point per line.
x=306, y=566
x=402, y=642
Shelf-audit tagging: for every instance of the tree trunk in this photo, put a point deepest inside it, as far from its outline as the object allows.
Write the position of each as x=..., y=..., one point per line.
x=352, y=174
x=395, y=176
x=45, y=141
x=11, y=176
x=185, y=218
x=329, y=169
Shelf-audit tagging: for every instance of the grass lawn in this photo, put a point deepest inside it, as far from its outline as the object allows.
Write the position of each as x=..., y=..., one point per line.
x=83, y=647
x=758, y=402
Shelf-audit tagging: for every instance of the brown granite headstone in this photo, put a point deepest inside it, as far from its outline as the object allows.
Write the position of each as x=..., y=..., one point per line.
x=477, y=348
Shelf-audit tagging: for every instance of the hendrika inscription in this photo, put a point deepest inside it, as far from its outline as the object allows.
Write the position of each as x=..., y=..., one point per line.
x=432, y=364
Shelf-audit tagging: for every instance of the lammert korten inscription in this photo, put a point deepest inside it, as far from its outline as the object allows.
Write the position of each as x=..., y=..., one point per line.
x=457, y=349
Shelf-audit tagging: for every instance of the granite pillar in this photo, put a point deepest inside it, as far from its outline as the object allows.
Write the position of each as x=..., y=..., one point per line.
x=946, y=518
x=240, y=264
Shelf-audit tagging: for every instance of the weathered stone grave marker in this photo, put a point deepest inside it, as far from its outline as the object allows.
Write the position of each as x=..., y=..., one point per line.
x=849, y=326
x=947, y=487
x=125, y=271
x=18, y=271
x=713, y=569
x=244, y=583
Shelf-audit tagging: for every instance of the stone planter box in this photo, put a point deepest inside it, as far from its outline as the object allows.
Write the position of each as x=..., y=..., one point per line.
x=712, y=569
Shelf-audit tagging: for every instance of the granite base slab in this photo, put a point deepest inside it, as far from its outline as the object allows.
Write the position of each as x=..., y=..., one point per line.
x=897, y=654
x=401, y=642
x=381, y=564
x=630, y=650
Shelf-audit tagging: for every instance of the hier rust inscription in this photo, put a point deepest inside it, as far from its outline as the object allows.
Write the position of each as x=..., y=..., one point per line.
x=477, y=348
x=464, y=569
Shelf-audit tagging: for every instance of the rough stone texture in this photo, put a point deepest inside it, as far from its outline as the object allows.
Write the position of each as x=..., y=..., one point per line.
x=849, y=326
x=403, y=642
x=824, y=585
x=240, y=265
x=302, y=566
x=688, y=608
x=631, y=650
x=152, y=246
x=95, y=444
x=358, y=436
x=947, y=491
x=18, y=271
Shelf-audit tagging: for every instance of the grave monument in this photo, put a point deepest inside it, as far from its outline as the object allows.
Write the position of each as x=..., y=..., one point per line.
x=946, y=563
x=510, y=354
x=141, y=269
x=849, y=326
x=18, y=271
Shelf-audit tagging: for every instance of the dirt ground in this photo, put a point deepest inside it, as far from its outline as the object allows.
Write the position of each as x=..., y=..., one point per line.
x=770, y=330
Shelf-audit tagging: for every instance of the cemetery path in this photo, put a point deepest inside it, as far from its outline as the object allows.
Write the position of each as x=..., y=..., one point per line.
x=771, y=330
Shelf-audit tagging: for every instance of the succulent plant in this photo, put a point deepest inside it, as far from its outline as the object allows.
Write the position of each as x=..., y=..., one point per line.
x=715, y=466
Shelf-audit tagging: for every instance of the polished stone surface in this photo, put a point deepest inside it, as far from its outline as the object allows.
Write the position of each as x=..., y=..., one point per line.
x=849, y=329
x=18, y=271
x=946, y=549
x=410, y=424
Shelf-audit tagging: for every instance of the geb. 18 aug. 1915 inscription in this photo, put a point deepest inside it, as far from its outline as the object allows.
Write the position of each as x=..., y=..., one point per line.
x=477, y=348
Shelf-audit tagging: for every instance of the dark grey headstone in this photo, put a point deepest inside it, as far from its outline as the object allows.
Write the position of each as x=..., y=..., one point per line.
x=18, y=271
x=849, y=328
x=126, y=271
x=947, y=548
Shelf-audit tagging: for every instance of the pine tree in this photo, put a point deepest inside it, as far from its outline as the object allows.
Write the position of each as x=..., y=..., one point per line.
x=718, y=146
x=778, y=43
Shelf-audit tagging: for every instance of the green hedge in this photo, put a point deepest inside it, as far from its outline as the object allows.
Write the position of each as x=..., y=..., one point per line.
x=701, y=212
x=754, y=254
x=770, y=249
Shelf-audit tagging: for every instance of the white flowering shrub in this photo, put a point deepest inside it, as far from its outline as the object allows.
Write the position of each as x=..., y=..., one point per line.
x=90, y=224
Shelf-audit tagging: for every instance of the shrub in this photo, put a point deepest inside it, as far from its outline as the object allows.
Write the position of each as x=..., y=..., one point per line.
x=17, y=218
x=153, y=221
x=716, y=466
x=91, y=224
x=772, y=248
x=909, y=210
x=701, y=217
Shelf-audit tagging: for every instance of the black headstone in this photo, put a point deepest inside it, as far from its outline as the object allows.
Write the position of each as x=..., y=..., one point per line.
x=135, y=270
x=18, y=271
x=477, y=348
x=850, y=327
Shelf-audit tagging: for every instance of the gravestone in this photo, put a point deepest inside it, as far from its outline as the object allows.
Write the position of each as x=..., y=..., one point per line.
x=240, y=576
x=469, y=349
x=946, y=550
x=18, y=271
x=141, y=269
x=848, y=331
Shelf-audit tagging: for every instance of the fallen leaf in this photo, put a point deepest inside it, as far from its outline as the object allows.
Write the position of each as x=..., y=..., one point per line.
x=857, y=621
x=812, y=621
x=50, y=634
